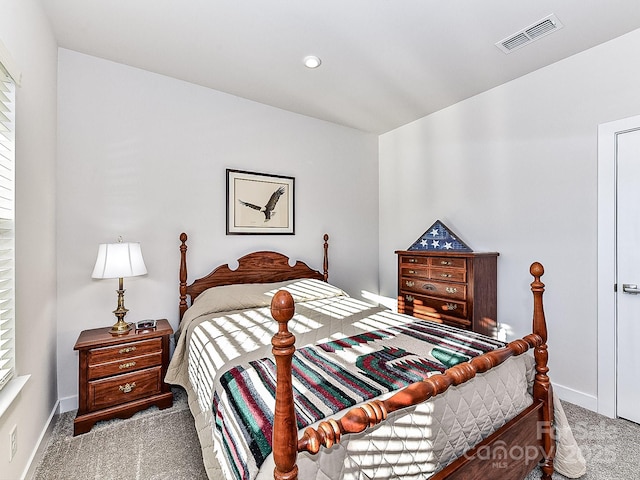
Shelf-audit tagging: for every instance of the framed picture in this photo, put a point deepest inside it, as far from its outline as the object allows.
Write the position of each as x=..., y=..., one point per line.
x=259, y=203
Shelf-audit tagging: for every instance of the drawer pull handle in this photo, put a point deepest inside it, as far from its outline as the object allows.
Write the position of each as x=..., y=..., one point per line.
x=450, y=306
x=446, y=262
x=428, y=286
x=452, y=290
x=412, y=272
x=445, y=275
x=410, y=283
x=127, y=365
x=412, y=260
x=409, y=298
x=128, y=387
x=127, y=349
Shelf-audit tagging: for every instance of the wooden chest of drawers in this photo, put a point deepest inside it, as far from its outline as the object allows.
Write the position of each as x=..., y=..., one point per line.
x=120, y=375
x=455, y=288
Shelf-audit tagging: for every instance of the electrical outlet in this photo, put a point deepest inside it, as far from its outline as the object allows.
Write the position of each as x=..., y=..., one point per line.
x=13, y=442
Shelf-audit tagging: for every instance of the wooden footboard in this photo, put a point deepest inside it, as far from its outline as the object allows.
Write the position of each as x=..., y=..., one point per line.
x=529, y=433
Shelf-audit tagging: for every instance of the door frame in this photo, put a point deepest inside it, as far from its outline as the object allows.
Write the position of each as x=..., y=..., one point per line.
x=607, y=258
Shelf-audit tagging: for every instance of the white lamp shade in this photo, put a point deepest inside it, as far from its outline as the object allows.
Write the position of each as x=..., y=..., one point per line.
x=119, y=260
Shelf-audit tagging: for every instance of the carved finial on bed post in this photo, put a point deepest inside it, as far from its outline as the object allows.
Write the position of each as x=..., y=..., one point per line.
x=285, y=429
x=542, y=386
x=325, y=263
x=537, y=287
x=183, y=274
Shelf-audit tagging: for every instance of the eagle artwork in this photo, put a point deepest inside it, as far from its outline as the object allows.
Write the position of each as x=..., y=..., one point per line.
x=269, y=207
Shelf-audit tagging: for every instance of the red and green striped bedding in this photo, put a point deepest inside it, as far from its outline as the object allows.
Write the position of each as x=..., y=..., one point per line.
x=330, y=377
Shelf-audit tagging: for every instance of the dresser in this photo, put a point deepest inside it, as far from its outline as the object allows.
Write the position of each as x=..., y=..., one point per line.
x=121, y=375
x=454, y=288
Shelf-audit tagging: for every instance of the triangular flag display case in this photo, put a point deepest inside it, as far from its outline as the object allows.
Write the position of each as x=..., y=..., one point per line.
x=442, y=280
x=439, y=237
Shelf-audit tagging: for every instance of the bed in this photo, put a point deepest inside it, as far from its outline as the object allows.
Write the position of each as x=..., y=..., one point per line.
x=288, y=377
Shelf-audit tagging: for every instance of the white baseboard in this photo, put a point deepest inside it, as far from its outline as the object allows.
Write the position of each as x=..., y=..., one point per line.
x=41, y=445
x=584, y=400
x=68, y=403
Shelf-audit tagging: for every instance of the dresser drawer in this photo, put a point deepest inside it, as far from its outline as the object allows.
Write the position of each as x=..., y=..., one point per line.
x=124, y=365
x=410, y=260
x=435, y=289
x=417, y=309
x=448, y=274
x=413, y=304
x=448, y=262
x=124, y=388
x=124, y=351
x=414, y=271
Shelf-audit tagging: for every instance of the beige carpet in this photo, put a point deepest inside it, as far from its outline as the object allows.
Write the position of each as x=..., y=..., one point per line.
x=163, y=445
x=611, y=447
x=153, y=444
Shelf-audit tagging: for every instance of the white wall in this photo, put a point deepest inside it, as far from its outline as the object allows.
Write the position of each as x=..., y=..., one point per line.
x=25, y=32
x=515, y=170
x=144, y=156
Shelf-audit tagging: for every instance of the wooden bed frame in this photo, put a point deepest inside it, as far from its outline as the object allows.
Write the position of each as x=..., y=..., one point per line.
x=510, y=453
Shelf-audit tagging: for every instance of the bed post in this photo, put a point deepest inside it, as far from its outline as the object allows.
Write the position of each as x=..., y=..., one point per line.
x=542, y=390
x=285, y=429
x=183, y=274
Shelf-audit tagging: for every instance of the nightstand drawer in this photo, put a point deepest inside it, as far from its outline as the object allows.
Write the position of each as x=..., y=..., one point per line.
x=124, y=388
x=124, y=351
x=124, y=365
x=435, y=289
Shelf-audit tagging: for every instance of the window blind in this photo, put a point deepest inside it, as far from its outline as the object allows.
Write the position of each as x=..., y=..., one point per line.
x=7, y=224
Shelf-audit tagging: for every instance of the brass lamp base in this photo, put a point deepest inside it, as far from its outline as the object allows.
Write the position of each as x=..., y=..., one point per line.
x=120, y=327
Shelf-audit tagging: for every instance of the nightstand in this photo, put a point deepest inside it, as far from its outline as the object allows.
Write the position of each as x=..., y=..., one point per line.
x=121, y=375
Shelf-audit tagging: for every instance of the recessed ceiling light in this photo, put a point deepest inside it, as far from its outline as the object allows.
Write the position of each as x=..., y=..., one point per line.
x=311, y=61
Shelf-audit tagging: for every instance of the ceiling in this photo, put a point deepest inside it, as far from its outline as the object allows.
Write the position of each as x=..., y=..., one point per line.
x=385, y=63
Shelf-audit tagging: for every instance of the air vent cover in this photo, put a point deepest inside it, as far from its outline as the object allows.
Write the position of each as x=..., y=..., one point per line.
x=529, y=34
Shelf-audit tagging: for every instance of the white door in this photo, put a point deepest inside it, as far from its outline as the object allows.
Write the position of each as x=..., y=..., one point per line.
x=628, y=274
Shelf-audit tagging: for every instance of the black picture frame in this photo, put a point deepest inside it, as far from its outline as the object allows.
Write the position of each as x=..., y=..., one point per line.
x=260, y=203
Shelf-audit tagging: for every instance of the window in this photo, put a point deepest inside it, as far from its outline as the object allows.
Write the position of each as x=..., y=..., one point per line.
x=7, y=160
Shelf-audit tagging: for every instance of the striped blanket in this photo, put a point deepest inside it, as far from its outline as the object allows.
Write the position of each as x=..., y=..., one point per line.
x=330, y=377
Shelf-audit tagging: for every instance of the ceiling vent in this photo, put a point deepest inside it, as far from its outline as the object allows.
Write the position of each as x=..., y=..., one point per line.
x=530, y=34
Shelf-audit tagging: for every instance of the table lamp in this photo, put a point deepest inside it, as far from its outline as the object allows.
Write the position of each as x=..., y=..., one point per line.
x=119, y=260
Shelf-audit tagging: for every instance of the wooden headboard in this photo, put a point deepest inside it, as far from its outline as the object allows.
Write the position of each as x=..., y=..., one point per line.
x=256, y=267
